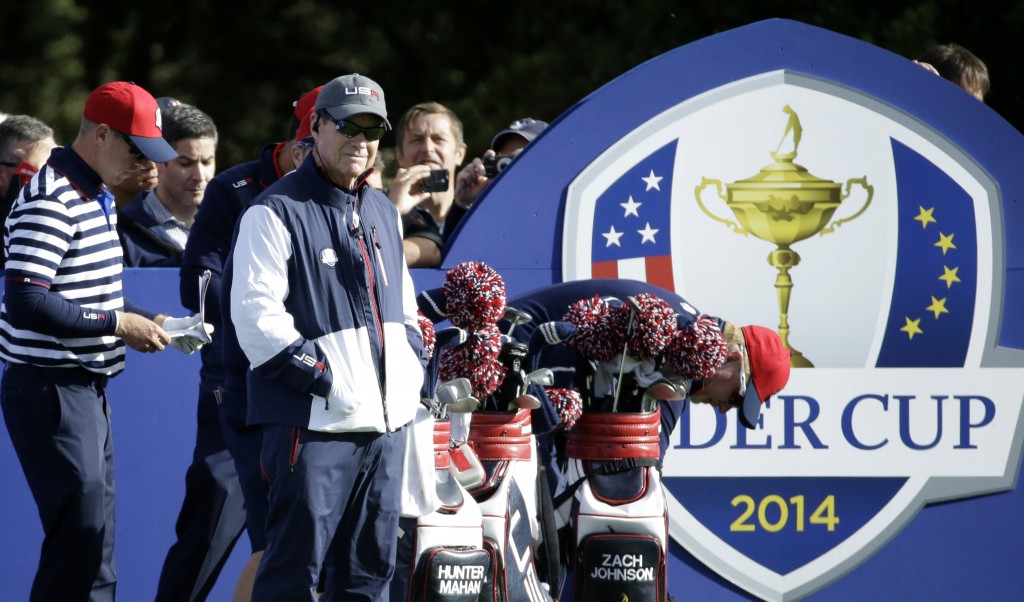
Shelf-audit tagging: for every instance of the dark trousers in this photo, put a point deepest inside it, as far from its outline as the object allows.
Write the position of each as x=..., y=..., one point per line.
x=59, y=423
x=333, y=497
x=212, y=515
x=244, y=443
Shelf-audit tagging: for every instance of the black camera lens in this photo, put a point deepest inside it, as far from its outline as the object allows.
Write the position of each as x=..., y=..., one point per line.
x=495, y=165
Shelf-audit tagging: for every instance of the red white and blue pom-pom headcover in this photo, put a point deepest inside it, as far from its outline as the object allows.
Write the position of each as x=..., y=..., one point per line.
x=697, y=351
x=603, y=327
x=654, y=324
x=477, y=360
x=598, y=335
x=474, y=295
x=568, y=404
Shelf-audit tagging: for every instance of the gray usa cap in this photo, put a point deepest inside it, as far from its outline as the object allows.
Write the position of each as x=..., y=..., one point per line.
x=352, y=94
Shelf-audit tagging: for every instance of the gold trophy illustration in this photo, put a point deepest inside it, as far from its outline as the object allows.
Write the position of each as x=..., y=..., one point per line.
x=784, y=204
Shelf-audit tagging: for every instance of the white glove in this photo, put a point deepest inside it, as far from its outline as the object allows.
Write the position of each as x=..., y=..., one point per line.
x=189, y=333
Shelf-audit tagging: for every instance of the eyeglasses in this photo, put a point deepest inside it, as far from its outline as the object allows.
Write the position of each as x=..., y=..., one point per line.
x=351, y=130
x=737, y=400
x=134, y=150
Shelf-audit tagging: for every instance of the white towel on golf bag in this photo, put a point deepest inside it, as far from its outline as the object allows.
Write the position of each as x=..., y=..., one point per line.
x=419, y=495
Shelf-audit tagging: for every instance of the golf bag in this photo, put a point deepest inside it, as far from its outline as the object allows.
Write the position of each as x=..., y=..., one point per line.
x=618, y=511
x=450, y=563
x=505, y=445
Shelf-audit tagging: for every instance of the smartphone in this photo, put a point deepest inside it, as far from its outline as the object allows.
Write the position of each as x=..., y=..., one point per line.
x=436, y=182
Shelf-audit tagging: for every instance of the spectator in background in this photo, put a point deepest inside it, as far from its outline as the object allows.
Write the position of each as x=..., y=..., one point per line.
x=225, y=464
x=473, y=178
x=958, y=65
x=155, y=228
x=25, y=144
x=429, y=137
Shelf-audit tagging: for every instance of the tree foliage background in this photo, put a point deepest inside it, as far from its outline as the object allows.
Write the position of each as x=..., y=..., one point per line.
x=492, y=62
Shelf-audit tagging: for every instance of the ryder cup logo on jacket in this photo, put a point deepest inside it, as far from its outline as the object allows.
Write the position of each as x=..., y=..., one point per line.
x=874, y=246
x=329, y=257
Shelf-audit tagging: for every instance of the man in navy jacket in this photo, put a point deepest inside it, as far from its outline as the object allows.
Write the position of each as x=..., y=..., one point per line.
x=324, y=309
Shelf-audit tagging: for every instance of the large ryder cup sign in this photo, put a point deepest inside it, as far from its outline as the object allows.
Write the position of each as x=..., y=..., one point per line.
x=896, y=402
x=783, y=175
x=880, y=282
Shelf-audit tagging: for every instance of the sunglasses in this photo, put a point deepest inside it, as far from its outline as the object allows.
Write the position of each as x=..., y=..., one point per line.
x=351, y=130
x=737, y=400
x=134, y=150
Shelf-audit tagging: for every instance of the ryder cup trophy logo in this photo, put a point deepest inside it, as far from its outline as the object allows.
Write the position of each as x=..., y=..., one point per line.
x=784, y=204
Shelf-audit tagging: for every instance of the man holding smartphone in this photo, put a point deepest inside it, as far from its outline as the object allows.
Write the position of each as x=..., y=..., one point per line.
x=429, y=147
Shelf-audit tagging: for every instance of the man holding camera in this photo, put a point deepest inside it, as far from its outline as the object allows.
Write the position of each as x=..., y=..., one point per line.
x=429, y=147
x=477, y=175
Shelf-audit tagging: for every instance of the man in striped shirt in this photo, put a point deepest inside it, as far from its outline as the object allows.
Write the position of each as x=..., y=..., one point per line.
x=63, y=328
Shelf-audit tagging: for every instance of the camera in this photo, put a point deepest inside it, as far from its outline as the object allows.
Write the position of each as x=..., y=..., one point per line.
x=494, y=165
x=436, y=182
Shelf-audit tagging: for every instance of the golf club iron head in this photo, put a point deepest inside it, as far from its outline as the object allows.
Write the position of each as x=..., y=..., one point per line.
x=515, y=318
x=526, y=402
x=456, y=397
x=543, y=377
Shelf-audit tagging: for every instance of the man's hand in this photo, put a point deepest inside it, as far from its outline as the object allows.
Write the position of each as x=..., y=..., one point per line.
x=405, y=192
x=472, y=179
x=141, y=333
x=189, y=333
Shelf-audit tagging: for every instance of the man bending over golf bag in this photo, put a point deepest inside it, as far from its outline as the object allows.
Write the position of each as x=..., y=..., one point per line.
x=626, y=356
x=498, y=464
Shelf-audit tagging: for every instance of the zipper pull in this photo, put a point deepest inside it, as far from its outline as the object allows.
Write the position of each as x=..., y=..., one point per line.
x=380, y=256
x=356, y=228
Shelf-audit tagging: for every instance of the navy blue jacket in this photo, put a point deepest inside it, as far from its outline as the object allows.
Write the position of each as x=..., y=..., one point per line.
x=140, y=246
x=209, y=245
x=324, y=309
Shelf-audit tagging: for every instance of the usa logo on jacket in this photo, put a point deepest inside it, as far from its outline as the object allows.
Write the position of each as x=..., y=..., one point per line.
x=783, y=175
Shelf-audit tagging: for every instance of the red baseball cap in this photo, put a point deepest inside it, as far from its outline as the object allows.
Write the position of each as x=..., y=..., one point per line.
x=303, y=109
x=769, y=370
x=133, y=111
